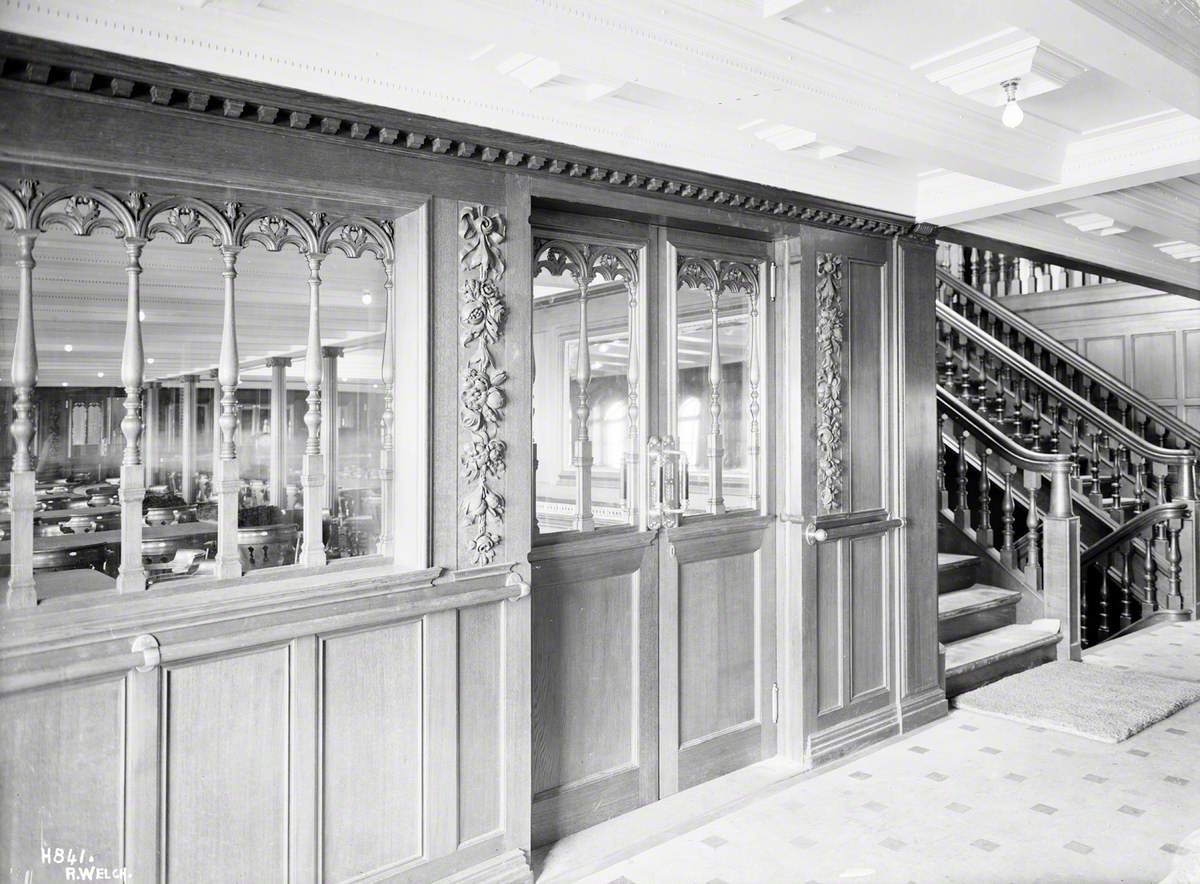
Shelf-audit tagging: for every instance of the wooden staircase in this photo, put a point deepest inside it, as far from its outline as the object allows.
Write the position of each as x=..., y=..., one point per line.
x=977, y=624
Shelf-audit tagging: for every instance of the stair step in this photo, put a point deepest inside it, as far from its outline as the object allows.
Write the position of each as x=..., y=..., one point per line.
x=983, y=658
x=977, y=609
x=956, y=571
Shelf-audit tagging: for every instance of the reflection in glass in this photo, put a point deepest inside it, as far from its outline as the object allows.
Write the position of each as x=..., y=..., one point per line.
x=584, y=425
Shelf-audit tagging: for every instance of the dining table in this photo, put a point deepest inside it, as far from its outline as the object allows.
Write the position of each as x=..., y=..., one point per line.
x=68, y=543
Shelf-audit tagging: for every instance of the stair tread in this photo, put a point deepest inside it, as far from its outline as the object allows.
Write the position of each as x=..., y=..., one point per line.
x=979, y=597
x=954, y=560
x=995, y=644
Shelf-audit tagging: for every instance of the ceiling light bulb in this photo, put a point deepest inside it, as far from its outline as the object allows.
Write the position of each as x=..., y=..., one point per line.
x=1013, y=115
x=99, y=374
x=65, y=384
x=141, y=316
x=150, y=361
x=366, y=298
x=68, y=347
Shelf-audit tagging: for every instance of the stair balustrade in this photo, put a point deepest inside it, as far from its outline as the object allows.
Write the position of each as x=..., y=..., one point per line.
x=999, y=275
x=1134, y=577
x=979, y=468
x=1132, y=464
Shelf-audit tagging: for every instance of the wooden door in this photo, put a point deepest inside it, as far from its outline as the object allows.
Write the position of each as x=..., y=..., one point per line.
x=716, y=559
x=653, y=631
x=849, y=497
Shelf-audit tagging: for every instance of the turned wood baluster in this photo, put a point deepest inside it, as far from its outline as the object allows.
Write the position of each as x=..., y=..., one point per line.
x=582, y=459
x=1123, y=413
x=633, y=375
x=1140, y=426
x=131, y=576
x=1033, y=566
x=1094, y=463
x=983, y=534
x=962, y=514
x=1150, y=566
x=1139, y=486
x=227, y=481
x=1174, y=567
x=975, y=271
x=1121, y=466
x=1126, y=587
x=1035, y=428
x=943, y=491
x=1008, y=510
x=1104, y=624
x=21, y=591
x=989, y=273
x=1076, y=432
x=312, y=479
x=716, y=446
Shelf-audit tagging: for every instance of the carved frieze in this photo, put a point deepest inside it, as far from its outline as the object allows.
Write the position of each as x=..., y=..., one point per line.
x=481, y=391
x=830, y=336
x=392, y=133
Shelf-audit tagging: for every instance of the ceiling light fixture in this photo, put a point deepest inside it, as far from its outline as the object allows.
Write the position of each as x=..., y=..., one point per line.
x=68, y=347
x=99, y=374
x=366, y=298
x=141, y=316
x=1013, y=115
x=150, y=361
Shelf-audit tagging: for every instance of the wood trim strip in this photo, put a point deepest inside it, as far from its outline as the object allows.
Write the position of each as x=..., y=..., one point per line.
x=114, y=78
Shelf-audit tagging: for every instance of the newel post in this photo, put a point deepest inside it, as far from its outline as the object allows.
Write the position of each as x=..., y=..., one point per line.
x=1061, y=567
x=1189, y=539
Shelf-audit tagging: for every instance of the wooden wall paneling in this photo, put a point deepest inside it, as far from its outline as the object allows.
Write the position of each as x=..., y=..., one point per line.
x=371, y=730
x=921, y=697
x=1155, y=366
x=1191, y=364
x=441, y=733
x=304, y=759
x=143, y=744
x=1108, y=352
x=481, y=721
x=227, y=774
x=62, y=776
x=766, y=562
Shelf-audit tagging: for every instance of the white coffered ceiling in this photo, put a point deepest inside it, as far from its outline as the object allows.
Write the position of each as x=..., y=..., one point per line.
x=887, y=103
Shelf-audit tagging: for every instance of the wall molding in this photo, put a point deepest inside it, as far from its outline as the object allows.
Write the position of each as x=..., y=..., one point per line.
x=32, y=63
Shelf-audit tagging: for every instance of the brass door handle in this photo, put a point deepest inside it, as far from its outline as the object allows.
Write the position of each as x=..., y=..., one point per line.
x=814, y=535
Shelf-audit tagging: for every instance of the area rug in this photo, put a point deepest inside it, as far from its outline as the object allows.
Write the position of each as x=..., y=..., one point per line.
x=1086, y=700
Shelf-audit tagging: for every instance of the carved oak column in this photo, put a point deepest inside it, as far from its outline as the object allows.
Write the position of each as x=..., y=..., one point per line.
x=329, y=429
x=716, y=444
x=132, y=576
x=278, y=478
x=187, y=440
x=582, y=459
x=214, y=376
x=387, y=377
x=152, y=441
x=312, y=552
x=227, y=478
x=21, y=590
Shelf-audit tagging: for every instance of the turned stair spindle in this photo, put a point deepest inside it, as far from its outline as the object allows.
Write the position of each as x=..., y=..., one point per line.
x=312, y=478
x=227, y=481
x=962, y=514
x=131, y=575
x=22, y=592
x=1007, y=522
x=983, y=533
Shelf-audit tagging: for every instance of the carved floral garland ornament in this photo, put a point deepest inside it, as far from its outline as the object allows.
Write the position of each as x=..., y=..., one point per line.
x=482, y=396
x=830, y=334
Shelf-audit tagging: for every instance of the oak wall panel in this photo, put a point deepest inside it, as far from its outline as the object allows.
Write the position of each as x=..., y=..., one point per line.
x=1191, y=364
x=869, y=639
x=1154, y=365
x=1108, y=353
x=480, y=720
x=371, y=751
x=226, y=769
x=61, y=776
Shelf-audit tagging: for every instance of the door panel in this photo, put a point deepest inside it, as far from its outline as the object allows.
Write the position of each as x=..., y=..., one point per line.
x=721, y=647
x=594, y=698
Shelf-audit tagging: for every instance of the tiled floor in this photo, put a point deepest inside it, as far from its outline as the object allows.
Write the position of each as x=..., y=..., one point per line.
x=972, y=799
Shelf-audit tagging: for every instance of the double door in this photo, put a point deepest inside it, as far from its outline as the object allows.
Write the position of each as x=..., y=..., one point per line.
x=653, y=568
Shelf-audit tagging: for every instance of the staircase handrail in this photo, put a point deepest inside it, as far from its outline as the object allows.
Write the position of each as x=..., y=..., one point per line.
x=1184, y=459
x=1089, y=369
x=1058, y=466
x=1163, y=512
